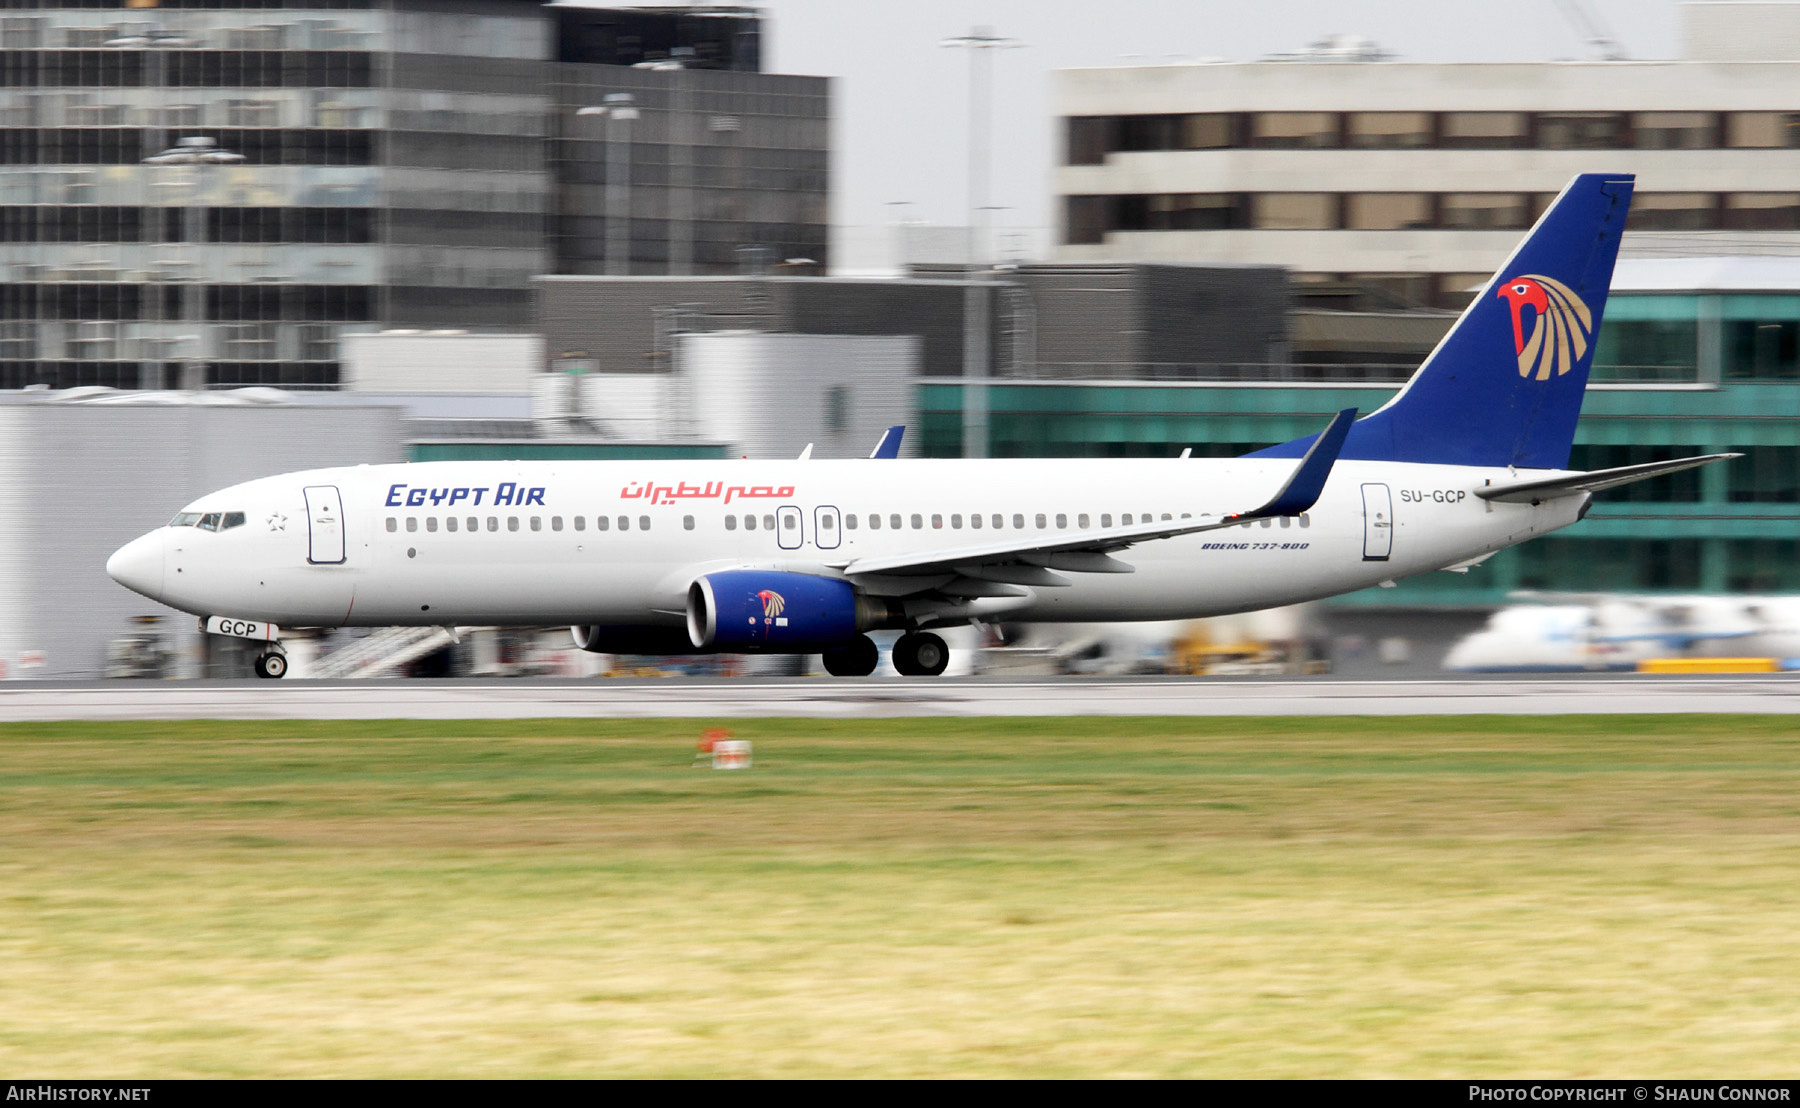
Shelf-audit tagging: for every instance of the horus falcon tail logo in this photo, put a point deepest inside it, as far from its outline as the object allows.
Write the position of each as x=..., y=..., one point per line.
x=1559, y=334
x=772, y=603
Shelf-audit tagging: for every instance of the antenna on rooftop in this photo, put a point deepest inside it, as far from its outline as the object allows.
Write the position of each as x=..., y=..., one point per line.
x=1592, y=31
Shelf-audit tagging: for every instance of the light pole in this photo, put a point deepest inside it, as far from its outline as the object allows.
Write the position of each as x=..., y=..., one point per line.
x=979, y=42
x=192, y=152
x=619, y=110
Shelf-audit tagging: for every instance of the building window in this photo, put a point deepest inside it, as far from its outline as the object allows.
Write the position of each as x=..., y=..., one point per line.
x=1294, y=130
x=1388, y=130
x=1487, y=211
x=1673, y=488
x=1294, y=211
x=1208, y=131
x=1762, y=130
x=1766, y=349
x=1484, y=130
x=1673, y=211
x=1387, y=211
x=1674, y=130
x=1762, y=211
x=1580, y=130
x=1089, y=138
x=1761, y=565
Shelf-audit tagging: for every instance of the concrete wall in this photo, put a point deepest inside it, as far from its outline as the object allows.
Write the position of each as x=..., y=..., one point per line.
x=772, y=394
x=410, y=362
x=83, y=479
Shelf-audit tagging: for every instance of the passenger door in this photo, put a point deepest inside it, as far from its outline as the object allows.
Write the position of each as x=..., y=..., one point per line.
x=324, y=526
x=825, y=528
x=789, y=531
x=1378, y=523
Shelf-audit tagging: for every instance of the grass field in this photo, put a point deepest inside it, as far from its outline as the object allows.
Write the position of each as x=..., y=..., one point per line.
x=1412, y=896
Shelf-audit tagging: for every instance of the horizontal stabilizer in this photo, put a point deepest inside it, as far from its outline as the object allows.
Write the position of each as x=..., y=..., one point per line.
x=1529, y=492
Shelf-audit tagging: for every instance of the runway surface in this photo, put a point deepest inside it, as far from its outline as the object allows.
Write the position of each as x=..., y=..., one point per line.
x=838, y=698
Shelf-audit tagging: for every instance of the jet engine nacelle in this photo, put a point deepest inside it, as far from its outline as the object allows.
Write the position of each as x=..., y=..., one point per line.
x=770, y=612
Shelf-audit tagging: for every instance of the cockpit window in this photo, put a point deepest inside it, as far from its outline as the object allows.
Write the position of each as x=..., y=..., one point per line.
x=209, y=522
x=185, y=519
x=232, y=519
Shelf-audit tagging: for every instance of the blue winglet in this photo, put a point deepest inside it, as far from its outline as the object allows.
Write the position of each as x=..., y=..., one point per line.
x=1303, y=488
x=889, y=446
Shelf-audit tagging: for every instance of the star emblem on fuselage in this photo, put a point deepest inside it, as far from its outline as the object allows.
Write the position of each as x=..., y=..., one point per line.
x=277, y=522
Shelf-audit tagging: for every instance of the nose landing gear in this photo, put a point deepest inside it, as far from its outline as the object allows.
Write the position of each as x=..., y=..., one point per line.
x=272, y=665
x=920, y=654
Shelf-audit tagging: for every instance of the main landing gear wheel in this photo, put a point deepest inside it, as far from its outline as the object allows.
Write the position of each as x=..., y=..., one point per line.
x=920, y=654
x=271, y=665
x=859, y=659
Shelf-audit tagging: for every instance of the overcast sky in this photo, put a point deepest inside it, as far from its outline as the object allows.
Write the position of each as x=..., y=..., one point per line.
x=901, y=100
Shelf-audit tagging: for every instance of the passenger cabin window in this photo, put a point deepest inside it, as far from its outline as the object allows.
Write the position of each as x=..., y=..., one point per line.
x=999, y=521
x=730, y=523
x=643, y=523
x=493, y=523
x=431, y=523
x=687, y=523
x=1081, y=521
x=1041, y=521
x=537, y=523
x=824, y=523
x=975, y=520
x=624, y=523
x=1106, y=519
x=412, y=523
x=601, y=523
x=937, y=522
x=1061, y=521
x=874, y=521
x=918, y=521
x=449, y=523
x=1125, y=519
x=580, y=523
x=474, y=523
x=555, y=523
x=749, y=523
x=894, y=521
x=392, y=525
x=768, y=523
x=1018, y=522
x=512, y=523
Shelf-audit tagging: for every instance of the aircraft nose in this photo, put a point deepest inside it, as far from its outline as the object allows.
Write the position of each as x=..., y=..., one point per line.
x=138, y=565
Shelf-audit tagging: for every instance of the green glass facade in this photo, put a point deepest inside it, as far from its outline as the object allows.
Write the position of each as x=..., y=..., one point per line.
x=1729, y=385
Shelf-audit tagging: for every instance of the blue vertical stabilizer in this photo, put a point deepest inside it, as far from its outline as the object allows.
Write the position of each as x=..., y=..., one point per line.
x=1504, y=387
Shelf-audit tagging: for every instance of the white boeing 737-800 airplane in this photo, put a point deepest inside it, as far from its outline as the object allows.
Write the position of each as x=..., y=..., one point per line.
x=806, y=556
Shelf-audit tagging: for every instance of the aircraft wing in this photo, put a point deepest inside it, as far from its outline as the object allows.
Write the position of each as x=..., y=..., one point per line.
x=1028, y=560
x=1530, y=492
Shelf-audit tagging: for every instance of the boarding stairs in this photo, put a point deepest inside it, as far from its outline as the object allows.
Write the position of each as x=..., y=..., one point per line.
x=380, y=653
